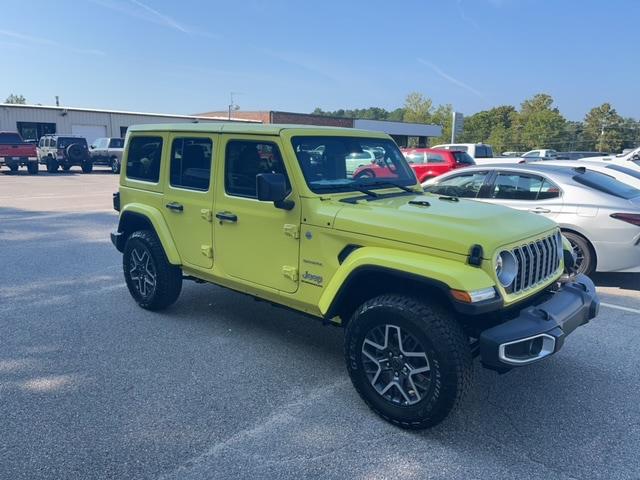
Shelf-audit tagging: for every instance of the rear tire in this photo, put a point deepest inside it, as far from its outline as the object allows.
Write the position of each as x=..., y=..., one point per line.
x=414, y=382
x=33, y=168
x=585, y=255
x=152, y=281
x=66, y=168
x=14, y=168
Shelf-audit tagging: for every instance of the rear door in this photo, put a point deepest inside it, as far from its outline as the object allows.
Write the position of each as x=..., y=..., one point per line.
x=188, y=196
x=523, y=191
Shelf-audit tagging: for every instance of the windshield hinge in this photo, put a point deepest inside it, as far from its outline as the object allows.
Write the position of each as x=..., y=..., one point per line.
x=290, y=272
x=206, y=214
x=291, y=230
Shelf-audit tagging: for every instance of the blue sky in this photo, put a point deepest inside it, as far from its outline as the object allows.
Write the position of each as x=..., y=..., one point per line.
x=186, y=56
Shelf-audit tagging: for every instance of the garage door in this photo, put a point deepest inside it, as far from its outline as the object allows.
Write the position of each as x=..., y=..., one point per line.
x=90, y=132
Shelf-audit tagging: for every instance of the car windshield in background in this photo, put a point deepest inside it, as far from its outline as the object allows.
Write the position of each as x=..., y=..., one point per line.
x=606, y=184
x=65, y=142
x=463, y=158
x=9, y=138
x=350, y=163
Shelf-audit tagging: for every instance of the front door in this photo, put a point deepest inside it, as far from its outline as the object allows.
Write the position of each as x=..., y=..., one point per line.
x=254, y=240
x=188, y=197
x=527, y=192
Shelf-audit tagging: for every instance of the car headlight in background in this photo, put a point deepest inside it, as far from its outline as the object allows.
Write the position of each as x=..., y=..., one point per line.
x=506, y=268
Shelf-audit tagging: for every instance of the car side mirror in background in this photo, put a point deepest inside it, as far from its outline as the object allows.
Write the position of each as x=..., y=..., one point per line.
x=636, y=157
x=272, y=187
x=92, y=147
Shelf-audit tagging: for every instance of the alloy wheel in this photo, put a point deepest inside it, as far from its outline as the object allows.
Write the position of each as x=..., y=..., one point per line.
x=142, y=272
x=396, y=364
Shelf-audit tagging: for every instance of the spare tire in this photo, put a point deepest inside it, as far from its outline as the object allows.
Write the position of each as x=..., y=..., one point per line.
x=75, y=153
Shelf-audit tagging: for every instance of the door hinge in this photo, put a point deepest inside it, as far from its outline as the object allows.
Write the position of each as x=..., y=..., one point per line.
x=290, y=272
x=291, y=230
x=206, y=214
x=207, y=250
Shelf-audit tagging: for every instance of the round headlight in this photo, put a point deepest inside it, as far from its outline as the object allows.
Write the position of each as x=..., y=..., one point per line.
x=506, y=268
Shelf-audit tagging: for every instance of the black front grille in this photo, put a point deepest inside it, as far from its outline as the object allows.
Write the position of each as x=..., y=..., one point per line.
x=537, y=261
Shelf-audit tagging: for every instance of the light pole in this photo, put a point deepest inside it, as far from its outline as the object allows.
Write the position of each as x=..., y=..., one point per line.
x=232, y=105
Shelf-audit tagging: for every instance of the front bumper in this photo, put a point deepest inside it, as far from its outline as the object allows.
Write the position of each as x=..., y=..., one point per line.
x=540, y=329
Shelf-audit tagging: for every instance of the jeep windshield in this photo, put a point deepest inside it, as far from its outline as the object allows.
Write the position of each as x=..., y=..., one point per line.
x=342, y=164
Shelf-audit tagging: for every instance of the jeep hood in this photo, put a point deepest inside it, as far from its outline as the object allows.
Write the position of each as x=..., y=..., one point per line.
x=448, y=225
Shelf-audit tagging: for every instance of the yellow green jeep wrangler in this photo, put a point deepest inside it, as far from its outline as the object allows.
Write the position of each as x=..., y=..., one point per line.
x=421, y=283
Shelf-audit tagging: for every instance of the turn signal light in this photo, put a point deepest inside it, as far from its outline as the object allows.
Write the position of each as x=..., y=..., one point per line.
x=632, y=218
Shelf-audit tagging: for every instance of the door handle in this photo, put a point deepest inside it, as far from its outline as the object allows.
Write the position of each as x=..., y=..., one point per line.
x=175, y=206
x=540, y=210
x=227, y=217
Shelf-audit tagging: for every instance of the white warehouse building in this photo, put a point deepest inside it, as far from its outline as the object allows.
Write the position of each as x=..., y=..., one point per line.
x=33, y=121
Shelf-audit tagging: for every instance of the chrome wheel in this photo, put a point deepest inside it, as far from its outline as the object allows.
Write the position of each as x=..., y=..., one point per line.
x=142, y=272
x=396, y=364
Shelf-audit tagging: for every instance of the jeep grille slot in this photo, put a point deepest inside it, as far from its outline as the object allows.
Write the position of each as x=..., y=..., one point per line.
x=537, y=262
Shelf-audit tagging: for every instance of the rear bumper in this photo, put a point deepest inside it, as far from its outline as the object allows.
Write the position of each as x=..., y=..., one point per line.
x=8, y=160
x=539, y=330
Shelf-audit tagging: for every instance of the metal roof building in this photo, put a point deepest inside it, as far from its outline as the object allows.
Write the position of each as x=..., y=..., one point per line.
x=33, y=121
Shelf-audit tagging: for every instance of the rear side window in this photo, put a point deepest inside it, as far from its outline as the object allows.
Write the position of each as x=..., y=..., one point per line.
x=606, y=184
x=463, y=158
x=513, y=186
x=116, y=143
x=628, y=171
x=244, y=159
x=143, y=159
x=416, y=158
x=482, y=151
x=191, y=163
x=435, y=158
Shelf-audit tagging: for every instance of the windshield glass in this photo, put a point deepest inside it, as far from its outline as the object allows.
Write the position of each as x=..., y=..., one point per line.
x=9, y=138
x=606, y=184
x=116, y=143
x=463, y=158
x=349, y=163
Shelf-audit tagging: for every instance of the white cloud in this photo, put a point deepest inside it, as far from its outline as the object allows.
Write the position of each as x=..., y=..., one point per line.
x=451, y=79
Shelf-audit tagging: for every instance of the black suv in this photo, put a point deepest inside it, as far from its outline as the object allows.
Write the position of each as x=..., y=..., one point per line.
x=64, y=151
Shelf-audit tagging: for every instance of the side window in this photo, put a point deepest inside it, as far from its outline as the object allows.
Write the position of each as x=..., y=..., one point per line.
x=244, y=159
x=52, y=142
x=435, y=158
x=41, y=142
x=535, y=153
x=513, y=186
x=548, y=190
x=191, y=163
x=143, y=159
x=415, y=158
x=466, y=185
x=481, y=152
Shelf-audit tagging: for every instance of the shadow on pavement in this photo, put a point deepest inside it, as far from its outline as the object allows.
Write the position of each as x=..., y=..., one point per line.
x=625, y=281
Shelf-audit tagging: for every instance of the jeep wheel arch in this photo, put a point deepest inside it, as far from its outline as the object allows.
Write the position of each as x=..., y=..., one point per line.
x=132, y=220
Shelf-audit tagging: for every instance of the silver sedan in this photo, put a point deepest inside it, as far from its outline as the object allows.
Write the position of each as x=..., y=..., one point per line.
x=598, y=214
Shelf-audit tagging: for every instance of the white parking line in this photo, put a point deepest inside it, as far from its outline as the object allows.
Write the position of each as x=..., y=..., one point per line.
x=618, y=307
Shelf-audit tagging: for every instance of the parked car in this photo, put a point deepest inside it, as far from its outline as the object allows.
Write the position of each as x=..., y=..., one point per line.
x=630, y=176
x=15, y=152
x=598, y=214
x=480, y=152
x=511, y=154
x=107, y=151
x=64, y=151
x=420, y=283
x=425, y=162
x=355, y=160
x=577, y=155
x=539, y=154
x=630, y=159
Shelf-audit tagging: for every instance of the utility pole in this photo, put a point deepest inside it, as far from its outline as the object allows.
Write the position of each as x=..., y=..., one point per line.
x=232, y=105
x=602, y=135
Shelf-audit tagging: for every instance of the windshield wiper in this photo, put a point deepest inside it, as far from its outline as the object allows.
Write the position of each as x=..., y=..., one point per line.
x=392, y=184
x=365, y=191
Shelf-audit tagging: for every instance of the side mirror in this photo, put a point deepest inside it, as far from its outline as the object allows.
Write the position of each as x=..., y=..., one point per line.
x=92, y=147
x=272, y=187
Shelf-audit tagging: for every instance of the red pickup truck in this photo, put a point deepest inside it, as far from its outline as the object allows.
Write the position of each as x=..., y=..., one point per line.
x=425, y=162
x=15, y=152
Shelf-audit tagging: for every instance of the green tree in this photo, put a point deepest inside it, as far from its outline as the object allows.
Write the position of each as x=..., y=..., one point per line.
x=539, y=124
x=480, y=126
x=417, y=108
x=16, y=99
x=442, y=115
x=603, y=126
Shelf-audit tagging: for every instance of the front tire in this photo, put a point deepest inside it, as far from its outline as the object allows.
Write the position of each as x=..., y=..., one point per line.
x=585, y=256
x=410, y=361
x=152, y=281
x=115, y=165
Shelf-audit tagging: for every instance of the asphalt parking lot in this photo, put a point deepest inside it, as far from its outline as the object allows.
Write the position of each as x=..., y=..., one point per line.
x=220, y=386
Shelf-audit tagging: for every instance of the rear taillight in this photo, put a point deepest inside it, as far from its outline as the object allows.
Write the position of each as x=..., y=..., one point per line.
x=632, y=218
